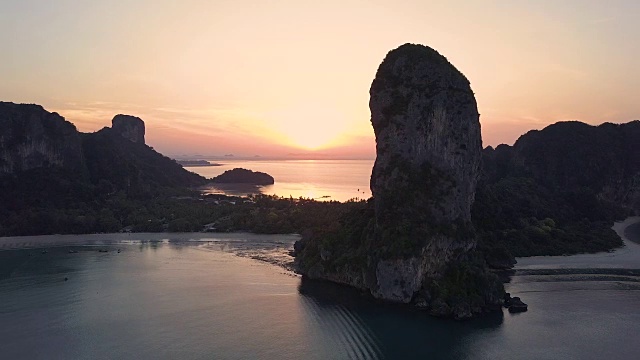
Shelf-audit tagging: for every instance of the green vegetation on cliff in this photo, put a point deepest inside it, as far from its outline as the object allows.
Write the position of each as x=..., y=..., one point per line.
x=338, y=244
x=418, y=223
x=116, y=163
x=557, y=191
x=521, y=217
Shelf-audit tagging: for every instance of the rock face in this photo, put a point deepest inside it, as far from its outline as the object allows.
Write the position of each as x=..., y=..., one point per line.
x=412, y=242
x=131, y=165
x=557, y=191
x=428, y=145
x=129, y=127
x=31, y=138
x=574, y=155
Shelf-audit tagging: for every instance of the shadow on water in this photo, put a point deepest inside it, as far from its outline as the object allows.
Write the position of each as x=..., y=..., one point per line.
x=51, y=261
x=368, y=329
x=12, y=260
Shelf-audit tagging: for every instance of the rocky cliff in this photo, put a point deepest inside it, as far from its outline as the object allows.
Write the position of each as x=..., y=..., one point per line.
x=574, y=155
x=558, y=190
x=31, y=138
x=428, y=146
x=44, y=150
x=122, y=162
x=129, y=127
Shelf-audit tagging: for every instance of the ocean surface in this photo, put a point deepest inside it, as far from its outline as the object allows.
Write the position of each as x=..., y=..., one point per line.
x=339, y=180
x=204, y=296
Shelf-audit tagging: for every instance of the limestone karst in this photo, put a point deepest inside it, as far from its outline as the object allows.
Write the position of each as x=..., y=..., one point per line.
x=32, y=138
x=428, y=147
x=129, y=127
x=417, y=231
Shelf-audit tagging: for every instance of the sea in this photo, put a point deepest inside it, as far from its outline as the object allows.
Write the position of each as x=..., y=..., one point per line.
x=326, y=180
x=232, y=296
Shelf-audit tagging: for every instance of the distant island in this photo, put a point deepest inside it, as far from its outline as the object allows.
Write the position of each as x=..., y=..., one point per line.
x=244, y=176
x=194, y=163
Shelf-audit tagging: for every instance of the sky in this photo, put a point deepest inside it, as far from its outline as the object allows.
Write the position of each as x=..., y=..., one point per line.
x=292, y=78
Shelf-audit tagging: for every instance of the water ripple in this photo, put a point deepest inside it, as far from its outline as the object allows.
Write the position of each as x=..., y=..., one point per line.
x=339, y=325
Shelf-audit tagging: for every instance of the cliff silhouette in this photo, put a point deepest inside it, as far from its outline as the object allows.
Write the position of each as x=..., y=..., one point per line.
x=557, y=191
x=44, y=159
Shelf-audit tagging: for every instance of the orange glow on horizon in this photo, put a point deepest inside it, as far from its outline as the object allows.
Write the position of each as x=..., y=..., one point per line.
x=309, y=126
x=293, y=77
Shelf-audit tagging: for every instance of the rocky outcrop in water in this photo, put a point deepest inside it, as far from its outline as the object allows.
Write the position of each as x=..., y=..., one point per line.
x=31, y=138
x=428, y=146
x=412, y=244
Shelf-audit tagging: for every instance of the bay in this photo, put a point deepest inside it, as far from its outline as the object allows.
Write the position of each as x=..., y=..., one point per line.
x=338, y=180
x=205, y=296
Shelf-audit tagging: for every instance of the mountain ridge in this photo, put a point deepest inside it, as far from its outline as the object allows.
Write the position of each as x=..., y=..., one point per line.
x=42, y=148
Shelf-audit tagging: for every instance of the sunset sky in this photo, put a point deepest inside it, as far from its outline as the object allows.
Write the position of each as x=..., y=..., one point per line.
x=292, y=77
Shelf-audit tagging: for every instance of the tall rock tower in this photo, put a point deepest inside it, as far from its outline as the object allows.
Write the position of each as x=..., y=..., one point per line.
x=413, y=241
x=428, y=146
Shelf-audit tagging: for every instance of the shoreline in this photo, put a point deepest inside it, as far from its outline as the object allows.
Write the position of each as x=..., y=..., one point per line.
x=625, y=257
x=621, y=229
x=45, y=241
x=632, y=232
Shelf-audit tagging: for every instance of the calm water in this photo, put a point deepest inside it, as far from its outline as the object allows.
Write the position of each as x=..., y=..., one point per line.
x=317, y=179
x=208, y=299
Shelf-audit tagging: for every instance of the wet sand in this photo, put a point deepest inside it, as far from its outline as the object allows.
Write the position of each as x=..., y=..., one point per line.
x=43, y=241
x=274, y=249
x=632, y=232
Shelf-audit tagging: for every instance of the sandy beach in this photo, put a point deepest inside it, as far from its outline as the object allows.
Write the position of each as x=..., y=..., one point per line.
x=247, y=244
